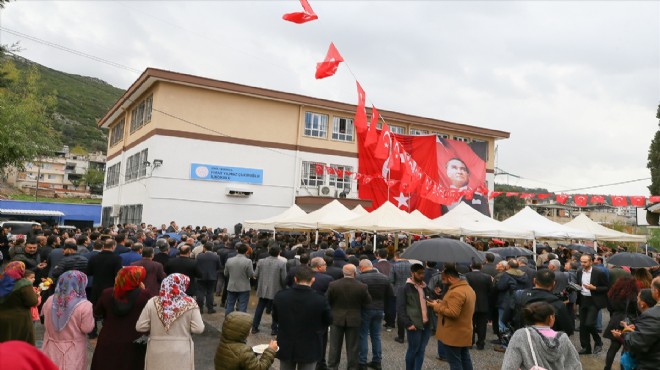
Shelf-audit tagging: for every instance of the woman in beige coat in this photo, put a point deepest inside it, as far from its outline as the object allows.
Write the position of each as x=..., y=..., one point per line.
x=171, y=318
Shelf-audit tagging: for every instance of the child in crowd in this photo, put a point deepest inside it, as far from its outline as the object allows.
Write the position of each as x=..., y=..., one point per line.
x=34, y=311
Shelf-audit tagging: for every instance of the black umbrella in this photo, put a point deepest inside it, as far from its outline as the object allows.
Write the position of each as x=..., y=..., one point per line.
x=442, y=250
x=634, y=260
x=507, y=252
x=581, y=248
x=498, y=258
x=648, y=248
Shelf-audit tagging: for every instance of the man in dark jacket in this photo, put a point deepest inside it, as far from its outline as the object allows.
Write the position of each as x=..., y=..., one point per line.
x=183, y=264
x=208, y=264
x=415, y=316
x=71, y=261
x=155, y=271
x=162, y=248
x=544, y=282
x=303, y=316
x=347, y=297
x=489, y=267
x=592, y=298
x=643, y=339
x=103, y=267
x=511, y=280
x=482, y=284
x=380, y=290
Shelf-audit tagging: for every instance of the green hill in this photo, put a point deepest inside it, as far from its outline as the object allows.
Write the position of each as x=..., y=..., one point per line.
x=81, y=101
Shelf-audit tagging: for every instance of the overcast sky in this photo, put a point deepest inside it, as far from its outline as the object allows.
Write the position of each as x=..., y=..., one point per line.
x=577, y=84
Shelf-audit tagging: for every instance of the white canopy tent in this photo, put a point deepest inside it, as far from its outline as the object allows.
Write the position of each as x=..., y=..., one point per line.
x=387, y=218
x=465, y=220
x=359, y=210
x=584, y=223
x=529, y=219
x=269, y=223
x=324, y=218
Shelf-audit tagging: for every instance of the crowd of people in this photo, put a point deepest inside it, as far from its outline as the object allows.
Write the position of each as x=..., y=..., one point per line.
x=146, y=287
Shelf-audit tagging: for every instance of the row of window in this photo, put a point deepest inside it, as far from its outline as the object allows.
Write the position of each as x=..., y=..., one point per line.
x=136, y=168
x=311, y=177
x=131, y=213
x=140, y=116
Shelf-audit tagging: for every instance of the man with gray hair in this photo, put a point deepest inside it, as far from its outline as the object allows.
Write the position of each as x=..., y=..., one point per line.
x=380, y=290
x=163, y=255
x=561, y=278
x=523, y=264
x=347, y=298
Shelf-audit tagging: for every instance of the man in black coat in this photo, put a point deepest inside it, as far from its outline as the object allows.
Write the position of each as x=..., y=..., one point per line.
x=208, y=264
x=482, y=284
x=103, y=267
x=303, y=316
x=380, y=290
x=183, y=264
x=347, y=297
x=490, y=266
x=163, y=255
x=592, y=298
x=335, y=272
x=321, y=279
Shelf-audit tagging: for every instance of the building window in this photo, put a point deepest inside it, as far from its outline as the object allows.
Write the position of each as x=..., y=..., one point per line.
x=461, y=138
x=340, y=179
x=106, y=219
x=398, y=130
x=131, y=214
x=112, y=176
x=117, y=133
x=417, y=132
x=141, y=114
x=343, y=129
x=316, y=124
x=51, y=177
x=136, y=166
x=441, y=135
x=144, y=154
x=310, y=176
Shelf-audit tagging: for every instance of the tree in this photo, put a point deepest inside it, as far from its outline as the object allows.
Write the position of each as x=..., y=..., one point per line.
x=654, y=160
x=24, y=121
x=94, y=179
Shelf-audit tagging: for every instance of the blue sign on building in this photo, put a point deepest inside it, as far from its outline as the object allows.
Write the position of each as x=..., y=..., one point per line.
x=211, y=172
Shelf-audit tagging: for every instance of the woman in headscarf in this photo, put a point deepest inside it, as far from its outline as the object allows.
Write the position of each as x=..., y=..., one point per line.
x=120, y=308
x=68, y=318
x=171, y=317
x=16, y=298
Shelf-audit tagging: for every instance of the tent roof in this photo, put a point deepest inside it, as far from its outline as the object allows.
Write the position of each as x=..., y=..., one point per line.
x=359, y=210
x=387, y=218
x=269, y=223
x=31, y=212
x=528, y=219
x=584, y=223
x=465, y=220
x=333, y=213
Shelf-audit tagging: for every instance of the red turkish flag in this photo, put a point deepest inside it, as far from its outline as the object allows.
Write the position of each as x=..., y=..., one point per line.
x=638, y=201
x=319, y=169
x=330, y=170
x=301, y=17
x=329, y=65
x=561, y=198
x=394, y=163
x=391, y=183
x=654, y=199
x=372, y=133
x=511, y=194
x=543, y=196
x=580, y=200
x=526, y=195
x=382, y=150
x=597, y=199
x=361, y=112
x=495, y=194
x=619, y=201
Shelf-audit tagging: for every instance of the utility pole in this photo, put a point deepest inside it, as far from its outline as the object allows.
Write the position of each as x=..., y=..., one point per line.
x=36, y=190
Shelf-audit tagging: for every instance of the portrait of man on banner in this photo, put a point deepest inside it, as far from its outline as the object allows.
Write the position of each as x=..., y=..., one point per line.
x=462, y=167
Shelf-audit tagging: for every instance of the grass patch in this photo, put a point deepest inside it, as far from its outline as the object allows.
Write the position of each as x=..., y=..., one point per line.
x=30, y=198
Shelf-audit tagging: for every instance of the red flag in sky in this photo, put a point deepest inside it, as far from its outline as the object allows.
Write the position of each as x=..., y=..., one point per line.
x=638, y=201
x=526, y=195
x=619, y=201
x=328, y=67
x=580, y=200
x=597, y=199
x=654, y=199
x=372, y=134
x=511, y=194
x=562, y=198
x=382, y=150
x=495, y=194
x=319, y=169
x=394, y=163
x=360, y=112
x=543, y=196
x=301, y=17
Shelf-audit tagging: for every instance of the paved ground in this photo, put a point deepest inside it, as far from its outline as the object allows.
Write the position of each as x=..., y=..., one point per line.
x=393, y=352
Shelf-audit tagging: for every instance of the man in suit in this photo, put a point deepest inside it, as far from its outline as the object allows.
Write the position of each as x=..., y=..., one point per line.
x=155, y=271
x=103, y=268
x=490, y=266
x=208, y=264
x=561, y=277
x=482, y=284
x=238, y=271
x=347, y=297
x=271, y=278
x=459, y=177
x=321, y=283
x=183, y=264
x=134, y=255
x=302, y=315
x=163, y=249
x=380, y=290
x=593, y=297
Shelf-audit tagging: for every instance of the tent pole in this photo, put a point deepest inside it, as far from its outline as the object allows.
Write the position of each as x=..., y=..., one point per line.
x=316, y=241
x=534, y=246
x=375, y=241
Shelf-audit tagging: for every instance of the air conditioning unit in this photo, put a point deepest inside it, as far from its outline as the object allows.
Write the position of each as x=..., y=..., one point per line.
x=115, y=210
x=238, y=192
x=327, y=191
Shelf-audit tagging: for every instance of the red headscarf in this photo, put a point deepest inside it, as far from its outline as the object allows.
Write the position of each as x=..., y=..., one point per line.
x=128, y=279
x=19, y=355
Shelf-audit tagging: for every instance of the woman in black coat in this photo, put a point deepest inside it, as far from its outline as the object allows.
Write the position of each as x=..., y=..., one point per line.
x=622, y=304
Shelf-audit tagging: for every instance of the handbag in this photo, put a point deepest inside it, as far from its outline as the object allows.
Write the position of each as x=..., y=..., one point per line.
x=531, y=347
x=628, y=362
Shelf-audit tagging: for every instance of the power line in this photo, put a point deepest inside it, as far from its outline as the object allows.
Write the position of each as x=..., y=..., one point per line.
x=612, y=184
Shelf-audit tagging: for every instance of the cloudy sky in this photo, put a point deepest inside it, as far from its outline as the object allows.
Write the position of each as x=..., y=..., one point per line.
x=577, y=84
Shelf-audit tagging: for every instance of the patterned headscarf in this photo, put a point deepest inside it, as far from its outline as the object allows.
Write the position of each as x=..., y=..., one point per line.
x=13, y=272
x=172, y=301
x=128, y=279
x=69, y=293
